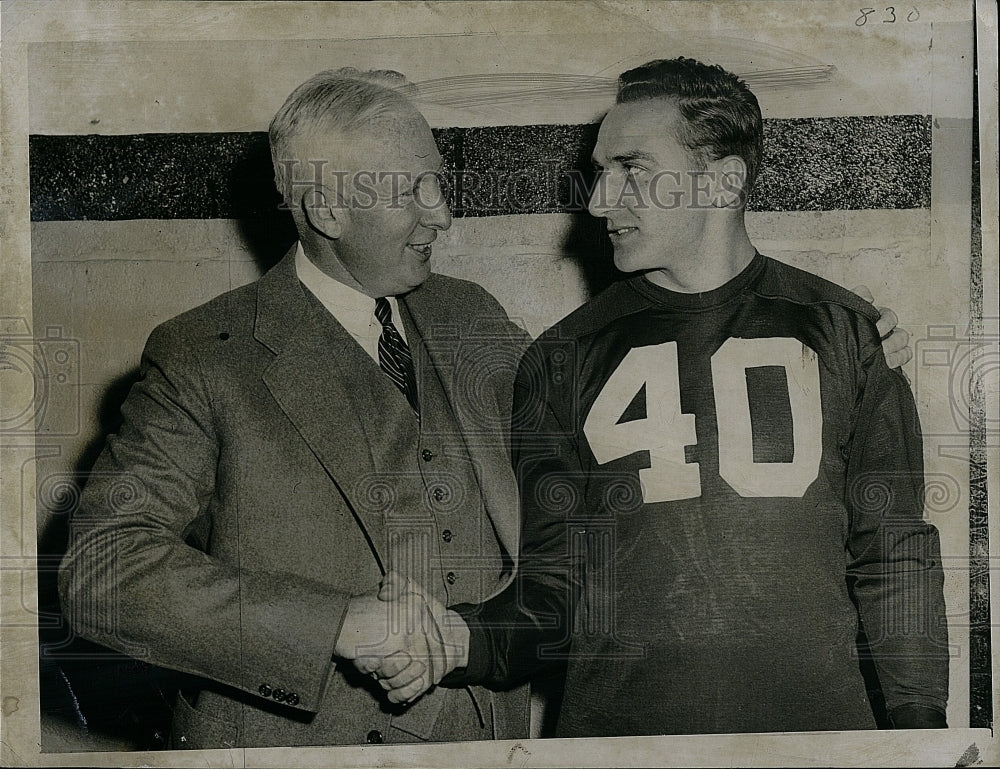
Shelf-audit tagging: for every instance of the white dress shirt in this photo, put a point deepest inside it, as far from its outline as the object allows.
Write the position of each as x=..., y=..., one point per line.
x=349, y=307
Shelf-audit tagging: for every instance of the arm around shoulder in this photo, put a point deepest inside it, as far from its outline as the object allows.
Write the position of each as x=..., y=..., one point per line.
x=894, y=554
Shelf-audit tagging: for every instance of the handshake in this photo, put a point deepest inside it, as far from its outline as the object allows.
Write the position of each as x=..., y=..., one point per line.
x=403, y=637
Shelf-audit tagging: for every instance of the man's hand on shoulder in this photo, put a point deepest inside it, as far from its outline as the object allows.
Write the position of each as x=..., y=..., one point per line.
x=895, y=341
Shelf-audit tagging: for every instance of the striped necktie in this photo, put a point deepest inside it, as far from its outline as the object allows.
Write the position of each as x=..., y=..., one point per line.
x=394, y=356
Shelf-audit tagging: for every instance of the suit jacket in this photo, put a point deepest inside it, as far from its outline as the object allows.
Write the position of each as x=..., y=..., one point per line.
x=221, y=534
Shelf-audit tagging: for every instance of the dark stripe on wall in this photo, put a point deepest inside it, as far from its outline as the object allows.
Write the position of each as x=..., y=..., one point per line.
x=811, y=164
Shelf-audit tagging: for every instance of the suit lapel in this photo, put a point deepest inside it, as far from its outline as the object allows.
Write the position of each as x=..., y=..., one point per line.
x=312, y=385
x=444, y=331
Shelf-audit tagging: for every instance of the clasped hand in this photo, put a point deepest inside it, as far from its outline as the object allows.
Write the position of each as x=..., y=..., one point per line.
x=404, y=637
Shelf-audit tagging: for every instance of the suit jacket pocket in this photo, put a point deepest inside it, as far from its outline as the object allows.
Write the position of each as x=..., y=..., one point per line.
x=193, y=730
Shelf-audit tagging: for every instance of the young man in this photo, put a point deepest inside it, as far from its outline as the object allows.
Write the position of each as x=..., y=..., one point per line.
x=720, y=477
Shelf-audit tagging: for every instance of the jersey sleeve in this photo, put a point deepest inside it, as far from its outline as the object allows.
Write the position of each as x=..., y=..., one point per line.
x=894, y=558
x=528, y=626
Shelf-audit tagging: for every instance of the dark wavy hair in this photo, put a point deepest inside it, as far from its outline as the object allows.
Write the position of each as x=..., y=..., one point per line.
x=720, y=114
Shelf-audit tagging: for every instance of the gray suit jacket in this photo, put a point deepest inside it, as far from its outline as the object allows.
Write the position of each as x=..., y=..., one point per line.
x=220, y=533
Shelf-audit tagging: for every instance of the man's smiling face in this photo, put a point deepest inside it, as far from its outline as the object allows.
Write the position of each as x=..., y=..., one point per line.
x=395, y=205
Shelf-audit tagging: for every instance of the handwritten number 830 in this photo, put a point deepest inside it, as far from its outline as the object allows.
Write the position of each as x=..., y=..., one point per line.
x=888, y=18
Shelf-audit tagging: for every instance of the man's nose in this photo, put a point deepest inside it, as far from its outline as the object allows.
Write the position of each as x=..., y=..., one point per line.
x=436, y=214
x=602, y=196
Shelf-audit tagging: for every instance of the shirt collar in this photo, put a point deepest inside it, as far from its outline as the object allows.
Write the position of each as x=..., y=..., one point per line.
x=354, y=310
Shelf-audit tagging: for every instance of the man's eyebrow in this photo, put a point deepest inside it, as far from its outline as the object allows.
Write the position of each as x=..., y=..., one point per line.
x=625, y=157
x=430, y=172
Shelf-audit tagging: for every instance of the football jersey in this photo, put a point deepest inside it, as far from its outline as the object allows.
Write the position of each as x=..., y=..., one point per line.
x=714, y=487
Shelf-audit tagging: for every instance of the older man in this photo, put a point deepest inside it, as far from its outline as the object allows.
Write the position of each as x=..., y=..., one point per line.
x=291, y=440
x=720, y=476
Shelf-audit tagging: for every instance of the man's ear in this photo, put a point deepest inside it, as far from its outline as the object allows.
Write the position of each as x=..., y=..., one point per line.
x=322, y=215
x=730, y=182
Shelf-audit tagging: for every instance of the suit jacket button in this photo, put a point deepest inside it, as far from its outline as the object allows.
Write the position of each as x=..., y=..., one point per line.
x=279, y=695
x=450, y=577
x=265, y=690
x=446, y=535
x=427, y=455
x=438, y=494
x=292, y=699
x=374, y=737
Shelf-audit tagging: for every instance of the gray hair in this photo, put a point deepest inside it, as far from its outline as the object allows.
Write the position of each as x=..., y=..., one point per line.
x=343, y=100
